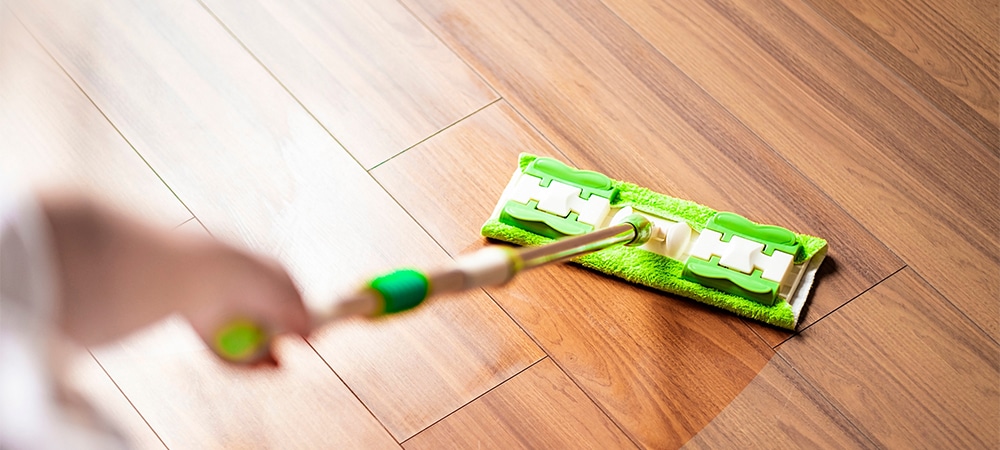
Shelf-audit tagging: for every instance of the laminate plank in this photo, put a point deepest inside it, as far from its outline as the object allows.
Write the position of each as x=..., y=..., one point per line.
x=977, y=18
x=178, y=384
x=455, y=349
x=259, y=171
x=370, y=72
x=946, y=50
x=662, y=367
x=907, y=172
x=905, y=367
x=538, y=408
x=87, y=379
x=194, y=400
x=612, y=103
x=778, y=409
x=54, y=137
x=462, y=171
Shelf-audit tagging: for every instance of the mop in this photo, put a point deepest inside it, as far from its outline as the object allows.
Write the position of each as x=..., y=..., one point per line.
x=558, y=213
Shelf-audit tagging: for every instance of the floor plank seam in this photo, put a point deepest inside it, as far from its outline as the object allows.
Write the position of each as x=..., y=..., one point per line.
x=321, y=125
x=473, y=400
x=761, y=337
x=277, y=80
x=796, y=332
x=561, y=368
x=204, y=227
x=445, y=45
x=832, y=99
x=812, y=386
x=899, y=76
x=316, y=119
x=774, y=353
x=486, y=82
x=99, y=110
x=325, y=129
x=445, y=250
x=604, y=411
x=194, y=216
x=351, y=390
x=410, y=215
x=794, y=168
x=445, y=412
x=957, y=309
x=182, y=223
x=127, y=399
x=841, y=306
x=442, y=130
x=537, y=131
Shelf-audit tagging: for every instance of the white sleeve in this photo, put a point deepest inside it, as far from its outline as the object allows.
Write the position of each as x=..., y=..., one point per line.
x=31, y=413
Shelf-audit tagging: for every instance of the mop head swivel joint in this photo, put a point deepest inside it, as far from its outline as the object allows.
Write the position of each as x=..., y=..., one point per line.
x=763, y=272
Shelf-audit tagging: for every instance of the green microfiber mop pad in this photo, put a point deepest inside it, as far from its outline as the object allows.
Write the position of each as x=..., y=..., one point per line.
x=641, y=266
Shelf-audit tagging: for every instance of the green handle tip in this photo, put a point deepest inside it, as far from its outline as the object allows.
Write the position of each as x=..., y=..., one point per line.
x=240, y=341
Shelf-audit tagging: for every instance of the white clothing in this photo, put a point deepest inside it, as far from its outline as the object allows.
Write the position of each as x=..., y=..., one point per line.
x=35, y=410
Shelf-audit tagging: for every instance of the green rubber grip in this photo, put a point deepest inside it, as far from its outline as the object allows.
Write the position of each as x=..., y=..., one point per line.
x=240, y=340
x=401, y=290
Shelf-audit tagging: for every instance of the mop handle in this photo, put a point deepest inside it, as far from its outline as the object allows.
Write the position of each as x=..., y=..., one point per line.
x=243, y=340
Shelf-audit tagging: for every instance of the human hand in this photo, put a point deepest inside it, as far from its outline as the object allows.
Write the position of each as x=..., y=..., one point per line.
x=117, y=274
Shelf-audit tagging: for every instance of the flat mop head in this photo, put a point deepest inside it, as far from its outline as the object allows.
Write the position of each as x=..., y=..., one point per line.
x=763, y=272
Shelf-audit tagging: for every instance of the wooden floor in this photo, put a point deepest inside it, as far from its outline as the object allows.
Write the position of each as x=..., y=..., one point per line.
x=347, y=138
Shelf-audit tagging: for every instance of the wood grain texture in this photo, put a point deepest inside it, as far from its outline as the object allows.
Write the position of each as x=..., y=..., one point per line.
x=612, y=103
x=903, y=168
x=463, y=170
x=905, y=367
x=661, y=366
x=946, y=50
x=259, y=171
x=194, y=400
x=87, y=378
x=54, y=137
x=538, y=408
x=422, y=366
x=779, y=409
x=369, y=72
x=867, y=125
x=976, y=18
